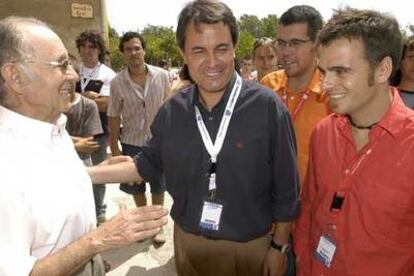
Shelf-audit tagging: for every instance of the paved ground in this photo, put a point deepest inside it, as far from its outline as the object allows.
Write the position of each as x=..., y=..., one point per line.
x=141, y=258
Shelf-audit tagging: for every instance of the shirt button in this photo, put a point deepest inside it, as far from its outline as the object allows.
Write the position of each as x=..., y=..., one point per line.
x=211, y=118
x=347, y=171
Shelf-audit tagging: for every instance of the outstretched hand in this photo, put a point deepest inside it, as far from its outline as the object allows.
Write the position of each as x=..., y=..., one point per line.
x=128, y=226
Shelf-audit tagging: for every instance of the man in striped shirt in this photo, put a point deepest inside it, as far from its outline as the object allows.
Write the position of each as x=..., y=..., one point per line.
x=136, y=94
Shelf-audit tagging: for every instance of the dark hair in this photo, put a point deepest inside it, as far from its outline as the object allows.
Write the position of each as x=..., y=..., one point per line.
x=379, y=33
x=184, y=73
x=263, y=41
x=95, y=38
x=408, y=46
x=303, y=14
x=128, y=36
x=208, y=12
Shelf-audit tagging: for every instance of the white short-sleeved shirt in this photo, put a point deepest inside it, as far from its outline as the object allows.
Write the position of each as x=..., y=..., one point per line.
x=46, y=199
x=99, y=72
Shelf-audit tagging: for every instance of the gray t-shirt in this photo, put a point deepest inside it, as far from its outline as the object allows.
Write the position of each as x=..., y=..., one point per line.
x=83, y=120
x=408, y=98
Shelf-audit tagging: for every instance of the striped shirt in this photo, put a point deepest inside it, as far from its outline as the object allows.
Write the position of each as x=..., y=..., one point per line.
x=137, y=106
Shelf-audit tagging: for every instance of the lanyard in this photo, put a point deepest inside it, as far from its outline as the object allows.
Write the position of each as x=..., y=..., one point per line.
x=84, y=80
x=298, y=108
x=215, y=149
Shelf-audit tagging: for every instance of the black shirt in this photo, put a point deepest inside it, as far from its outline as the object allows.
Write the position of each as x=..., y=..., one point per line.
x=257, y=178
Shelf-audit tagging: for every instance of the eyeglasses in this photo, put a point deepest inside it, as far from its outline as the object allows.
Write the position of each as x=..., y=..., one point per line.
x=62, y=65
x=294, y=43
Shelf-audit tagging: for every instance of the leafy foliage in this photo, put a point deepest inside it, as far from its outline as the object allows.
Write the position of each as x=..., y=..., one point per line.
x=161, y=45
x=117, y=60
x=161, y=42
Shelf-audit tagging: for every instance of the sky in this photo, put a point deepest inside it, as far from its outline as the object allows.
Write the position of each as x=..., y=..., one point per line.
x=127, y=15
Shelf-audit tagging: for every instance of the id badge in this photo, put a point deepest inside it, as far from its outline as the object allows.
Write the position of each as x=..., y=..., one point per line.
x=325, y=251
x=210, y=216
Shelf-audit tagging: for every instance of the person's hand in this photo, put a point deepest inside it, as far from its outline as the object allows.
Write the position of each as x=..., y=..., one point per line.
x=275, y=263
x=91, y=95
x=129, y=226
x=116, y=160
x=86, y=145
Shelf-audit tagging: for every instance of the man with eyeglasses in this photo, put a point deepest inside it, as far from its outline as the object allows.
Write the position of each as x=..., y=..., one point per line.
x=94, y=80
x=298, y=83
x=41, y=231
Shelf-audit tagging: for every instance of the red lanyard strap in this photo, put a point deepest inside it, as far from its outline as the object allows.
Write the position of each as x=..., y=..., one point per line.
x=298, y=108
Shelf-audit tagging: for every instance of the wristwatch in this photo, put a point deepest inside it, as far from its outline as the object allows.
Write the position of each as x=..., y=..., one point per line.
x=284, y=248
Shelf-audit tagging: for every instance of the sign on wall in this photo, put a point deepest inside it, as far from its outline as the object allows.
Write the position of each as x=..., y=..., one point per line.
x=81, y=10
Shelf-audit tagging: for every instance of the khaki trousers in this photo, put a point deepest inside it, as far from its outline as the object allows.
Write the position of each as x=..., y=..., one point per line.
x=197, y=255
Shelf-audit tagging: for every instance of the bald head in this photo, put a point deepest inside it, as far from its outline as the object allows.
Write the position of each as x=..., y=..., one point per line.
x=16, y=42
x=13, y=41
x=36, y=78
x=14, y=36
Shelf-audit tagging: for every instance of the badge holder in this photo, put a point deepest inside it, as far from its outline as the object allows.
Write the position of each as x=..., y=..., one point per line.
x=212, y=208
x=211, y=215
x=325, y=251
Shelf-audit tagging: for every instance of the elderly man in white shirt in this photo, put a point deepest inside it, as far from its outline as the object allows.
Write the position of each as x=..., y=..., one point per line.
x=41, y=232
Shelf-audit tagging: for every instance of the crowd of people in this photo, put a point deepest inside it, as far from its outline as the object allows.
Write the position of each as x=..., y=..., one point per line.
x=297, y=162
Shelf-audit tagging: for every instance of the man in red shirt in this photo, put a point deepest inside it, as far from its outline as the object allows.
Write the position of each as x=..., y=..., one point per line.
x=358, y=200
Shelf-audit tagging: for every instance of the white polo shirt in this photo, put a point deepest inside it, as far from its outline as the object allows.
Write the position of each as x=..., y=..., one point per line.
x=46, y=199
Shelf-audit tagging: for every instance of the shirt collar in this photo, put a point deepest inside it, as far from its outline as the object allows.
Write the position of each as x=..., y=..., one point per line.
x=314, y=85
x=224, y=98
x=394, y=119
x=31, y=128
x=397, y=116
x=151, y=71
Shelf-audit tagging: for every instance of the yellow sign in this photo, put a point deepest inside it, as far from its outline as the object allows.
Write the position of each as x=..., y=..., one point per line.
x=82, y=10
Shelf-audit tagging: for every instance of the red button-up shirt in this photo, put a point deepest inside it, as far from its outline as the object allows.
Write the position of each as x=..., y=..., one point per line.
x=374, y=229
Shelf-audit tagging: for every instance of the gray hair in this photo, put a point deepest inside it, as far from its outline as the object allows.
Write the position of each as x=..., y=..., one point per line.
x=12, y=42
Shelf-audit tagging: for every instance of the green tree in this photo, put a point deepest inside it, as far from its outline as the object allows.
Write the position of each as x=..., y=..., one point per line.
x=161, y=45
x=161, y=42
x=250, y=24
x=245, y=45
x=269, y=25
x=251, y=27
x=117, y=61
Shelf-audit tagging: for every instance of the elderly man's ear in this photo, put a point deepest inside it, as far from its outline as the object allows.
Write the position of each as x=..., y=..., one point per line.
x=12, y=76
